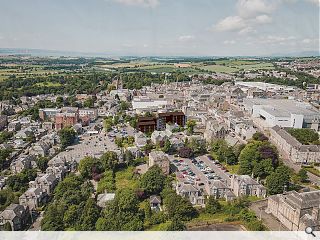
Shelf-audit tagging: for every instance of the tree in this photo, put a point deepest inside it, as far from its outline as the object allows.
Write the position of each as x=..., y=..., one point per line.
x=67, y=137
x=258, y=136
x=185, y=152
x=7, y=227
x=71, y=216
x=153, y=180
x=176, y=225
x=89, y=216
x=230, y=157
x=128, y=158
x=278, y=181
x=178, y=207
x=4, y=154
x=42, y=163
x=213, y=206
x=88, y=103
x=190, y=126
x=167, y=146
x=122, y=214
x=303, y=175
x=109, y=160
x=89, y=166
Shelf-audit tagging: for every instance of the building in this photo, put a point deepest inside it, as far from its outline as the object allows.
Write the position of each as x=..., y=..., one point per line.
x=219, y=189
x=292, y=148
x=92, y=113
x=191, y=192
x=161, y=159
x=283, y=112
x=3, y=121
x=14, y=126
x=48, y=113
x=147, y=124
x=47, y=183
x=244, y=185
x=33, y=198
x=155, y=202
x=23, y=162
x=144, y=104
x=164, y=118
x=63, y=120
x=15, y=214
x=160, y=120
x=104, y=198
x=160, y=137
x=296, y=211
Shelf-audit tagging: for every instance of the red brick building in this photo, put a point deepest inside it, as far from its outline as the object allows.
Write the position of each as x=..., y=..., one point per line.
x=159, y=121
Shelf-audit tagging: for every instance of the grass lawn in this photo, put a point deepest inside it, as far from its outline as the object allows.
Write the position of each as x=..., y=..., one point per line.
x=232, y=168
x=125, y=179
x=47, y=84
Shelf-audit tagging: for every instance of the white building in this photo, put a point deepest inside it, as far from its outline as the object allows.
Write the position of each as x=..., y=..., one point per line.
x=283, y=112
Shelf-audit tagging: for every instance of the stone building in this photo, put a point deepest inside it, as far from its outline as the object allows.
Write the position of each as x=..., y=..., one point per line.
x=161, y=159
x=296, y=211
x=292, y=148
x=244, y=185
x=17, y=215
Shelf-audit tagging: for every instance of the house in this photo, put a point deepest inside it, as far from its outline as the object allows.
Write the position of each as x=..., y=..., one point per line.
x=140, y=139
x=92, y=113
x=161, y=159
x=40, y=148
x=190, y=192
x=3, y=121
x=215, y=130
x=296, y=211
x=218, y=189
x=47, y=183
x=59, y=171
x=15, y=214
x=2, y=182
x=159, y=137
x=33, y=198
x=14, y=126
x=23, y=162
x=244, y=185
x=155, y=202
x=104, y=198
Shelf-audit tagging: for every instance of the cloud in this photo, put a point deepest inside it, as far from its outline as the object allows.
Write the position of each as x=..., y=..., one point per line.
x=250, y=13
x=317, y=2
x=252, y=8
x=263, y=19
x=143, y=3
x=186, y=38
x=272, y=39
x=231, y=23
x=229, y=42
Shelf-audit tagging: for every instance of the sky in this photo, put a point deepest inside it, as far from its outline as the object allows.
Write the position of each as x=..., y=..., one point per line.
x=162, y=27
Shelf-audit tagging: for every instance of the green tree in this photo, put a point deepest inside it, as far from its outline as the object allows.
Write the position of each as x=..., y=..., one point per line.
x=7, y=227
x=303, y=175
x=89, y=216
x=153, y=180
x=213, y=206
x=230, y=157
x=4, y=155
x=190, y=126
x=42, y=163
x=167, y=146
x=176, y=225
x=88, y=103
x=89, y=166
x=109, y=160
x=67, y=137
x=278, y=181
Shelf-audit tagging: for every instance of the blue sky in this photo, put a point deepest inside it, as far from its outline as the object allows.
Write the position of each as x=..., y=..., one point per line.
x=162, y=27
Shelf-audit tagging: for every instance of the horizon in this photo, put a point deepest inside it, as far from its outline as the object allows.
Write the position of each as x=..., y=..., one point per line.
x=162, y=28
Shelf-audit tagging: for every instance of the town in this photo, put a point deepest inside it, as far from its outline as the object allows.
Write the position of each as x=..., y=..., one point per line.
x=162, y=150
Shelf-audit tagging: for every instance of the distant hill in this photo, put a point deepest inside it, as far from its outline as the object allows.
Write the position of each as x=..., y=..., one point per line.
x=298, y=54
